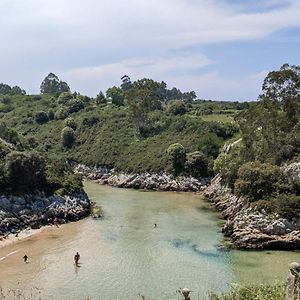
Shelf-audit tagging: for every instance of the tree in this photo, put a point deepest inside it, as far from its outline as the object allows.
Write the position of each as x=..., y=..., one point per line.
x=68, y=137
x=283, y=86
x=259, y=180
x=177, y=154
x=197, y=164
x=126, y=83
x=142, y=98
x=100, y=99
x=115, y=95
x=209, y=144
x=25, y=171
x=52, y=85
x=177, y=107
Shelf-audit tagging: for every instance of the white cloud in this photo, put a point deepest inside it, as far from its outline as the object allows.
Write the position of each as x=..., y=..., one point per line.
x=98, y=39
x=158, y=68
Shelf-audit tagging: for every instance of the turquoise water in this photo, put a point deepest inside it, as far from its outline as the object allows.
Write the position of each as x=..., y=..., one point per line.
x=124, y=257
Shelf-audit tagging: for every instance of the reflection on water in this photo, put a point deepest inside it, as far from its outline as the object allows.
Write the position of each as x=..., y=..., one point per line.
x=123, y=256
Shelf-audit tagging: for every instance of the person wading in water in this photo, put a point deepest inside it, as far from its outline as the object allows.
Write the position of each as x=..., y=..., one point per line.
x=25, y=257
x=76, y=258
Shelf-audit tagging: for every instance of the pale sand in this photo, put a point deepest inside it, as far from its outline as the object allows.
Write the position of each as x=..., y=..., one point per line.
x=24, y=234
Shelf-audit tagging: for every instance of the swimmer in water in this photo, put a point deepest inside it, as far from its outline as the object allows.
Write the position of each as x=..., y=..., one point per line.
x=155, y=225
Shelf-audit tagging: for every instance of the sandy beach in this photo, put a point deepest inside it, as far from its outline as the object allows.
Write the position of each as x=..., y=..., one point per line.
x=22, y=235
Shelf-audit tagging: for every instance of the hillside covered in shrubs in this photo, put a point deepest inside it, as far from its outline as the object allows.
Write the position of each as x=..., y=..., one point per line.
x=264, y=167
x=139, y=126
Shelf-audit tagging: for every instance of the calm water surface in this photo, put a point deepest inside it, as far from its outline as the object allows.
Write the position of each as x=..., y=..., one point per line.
x=124, y=257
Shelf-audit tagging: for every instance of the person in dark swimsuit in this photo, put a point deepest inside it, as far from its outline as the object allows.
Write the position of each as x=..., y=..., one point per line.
x=25, y=257
x=76, y=258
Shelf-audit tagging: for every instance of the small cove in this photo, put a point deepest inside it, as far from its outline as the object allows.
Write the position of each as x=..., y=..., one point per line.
x=124, y=257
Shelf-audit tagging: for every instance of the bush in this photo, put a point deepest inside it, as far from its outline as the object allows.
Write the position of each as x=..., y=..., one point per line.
x=61, y=113
x=25, y=172
x=177, y=108
x=32, y=142
x=227, y=165
x=209, y=144
x=260, y=292
x=74, y=105
x=223, y=130
x=70, y=122
x=68, y=137
x=64, y=98
x=177, y=154
x=267, y=205
x=197, y=164
x=41, y=117
x=51, y=114
x=8, y=134
x=90, y=121
x=258, y=180
x=288, y=206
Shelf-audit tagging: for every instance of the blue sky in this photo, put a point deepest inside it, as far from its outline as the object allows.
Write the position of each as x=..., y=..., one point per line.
x=222, y=49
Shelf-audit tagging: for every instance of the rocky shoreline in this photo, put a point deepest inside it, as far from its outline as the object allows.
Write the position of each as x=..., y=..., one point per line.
x=145, y=181
x=35, y=211
x=249, y=229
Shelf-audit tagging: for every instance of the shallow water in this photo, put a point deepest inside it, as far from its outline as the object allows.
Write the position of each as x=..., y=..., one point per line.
x=124, y=257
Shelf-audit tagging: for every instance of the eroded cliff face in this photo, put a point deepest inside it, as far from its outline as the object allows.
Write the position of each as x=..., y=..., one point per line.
x=35, y=211
x=248, y=228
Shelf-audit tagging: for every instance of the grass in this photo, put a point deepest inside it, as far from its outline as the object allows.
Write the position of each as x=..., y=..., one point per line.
x=261, y=292
x=218, y=118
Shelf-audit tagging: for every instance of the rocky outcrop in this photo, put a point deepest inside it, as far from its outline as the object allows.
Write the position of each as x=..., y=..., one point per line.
x=292, y=170
x=34, y=211
x=147, y=181
x=248, y=228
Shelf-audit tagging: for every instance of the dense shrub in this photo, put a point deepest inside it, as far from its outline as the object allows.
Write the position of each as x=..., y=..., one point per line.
x=70, y=122
x=61, y=113
x=209, y=144
x=90, y=121
x=67, y=137
x=32, y=142
x=177, y=154
x=177, y=108
x=100, y=99
x=223, y=130
x=265, y=205
x=74, y=105
x=8, y=134
x=288, y=206
x=25, y=172
x=196, y=164
x=51, y=114
x=64, y=98
x=227, y=165
x=258, y=180
x=41, y=117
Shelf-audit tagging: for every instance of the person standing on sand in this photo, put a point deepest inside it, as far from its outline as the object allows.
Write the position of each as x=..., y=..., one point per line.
x=25, y=257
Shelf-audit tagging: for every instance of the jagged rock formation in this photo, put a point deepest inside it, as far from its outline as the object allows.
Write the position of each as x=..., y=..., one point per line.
x=35, y=211
x=164, y=182
x=248, y=228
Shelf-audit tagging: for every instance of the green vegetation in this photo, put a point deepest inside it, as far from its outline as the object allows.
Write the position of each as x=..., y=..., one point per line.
x=262, y=292
x=128, y=128
x=270, y=134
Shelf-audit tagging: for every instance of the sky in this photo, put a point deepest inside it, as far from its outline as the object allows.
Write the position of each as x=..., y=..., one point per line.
x=221, y=49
